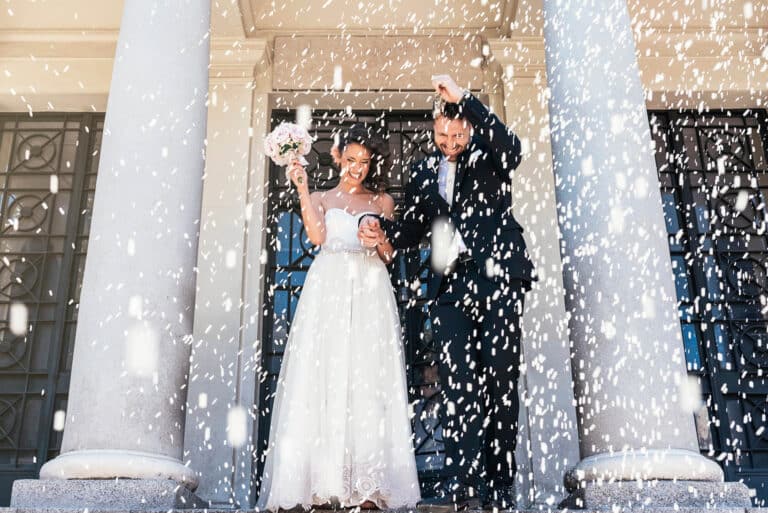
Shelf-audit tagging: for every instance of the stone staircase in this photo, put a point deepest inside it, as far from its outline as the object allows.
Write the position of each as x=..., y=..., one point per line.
x=143, y=496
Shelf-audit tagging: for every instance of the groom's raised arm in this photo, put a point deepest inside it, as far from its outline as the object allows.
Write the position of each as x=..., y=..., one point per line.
x=502, y=144
x=408, y=231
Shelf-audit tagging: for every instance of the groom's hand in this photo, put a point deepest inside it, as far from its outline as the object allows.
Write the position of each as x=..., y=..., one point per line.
x=447, y=88
x=368, y=220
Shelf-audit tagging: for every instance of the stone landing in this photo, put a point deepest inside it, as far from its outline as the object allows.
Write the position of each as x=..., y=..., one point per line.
x=657, y=495
x=142, y=496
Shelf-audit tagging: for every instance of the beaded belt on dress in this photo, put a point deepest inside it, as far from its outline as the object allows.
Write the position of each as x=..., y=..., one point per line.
x=350, y=251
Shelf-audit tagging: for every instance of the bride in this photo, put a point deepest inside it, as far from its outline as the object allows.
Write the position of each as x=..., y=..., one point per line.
x=340, y=433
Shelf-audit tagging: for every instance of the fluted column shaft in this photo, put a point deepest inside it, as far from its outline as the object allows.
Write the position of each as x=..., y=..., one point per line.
x=125, y=416
x=628, y=360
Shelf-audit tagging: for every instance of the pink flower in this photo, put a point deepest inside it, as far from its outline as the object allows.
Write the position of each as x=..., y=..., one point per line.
x=287, y=142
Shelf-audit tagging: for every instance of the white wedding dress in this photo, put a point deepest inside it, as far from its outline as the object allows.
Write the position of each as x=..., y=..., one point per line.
x=340, y=431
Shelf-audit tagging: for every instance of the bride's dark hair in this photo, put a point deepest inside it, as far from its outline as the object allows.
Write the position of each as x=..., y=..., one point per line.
x=368, y=137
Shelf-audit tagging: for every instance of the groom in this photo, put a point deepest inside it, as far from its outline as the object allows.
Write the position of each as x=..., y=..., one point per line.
x=461, y=197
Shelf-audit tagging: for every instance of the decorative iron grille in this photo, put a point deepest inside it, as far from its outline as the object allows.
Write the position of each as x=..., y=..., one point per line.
x=47, y=183
x=290, y=254
x=713, y=173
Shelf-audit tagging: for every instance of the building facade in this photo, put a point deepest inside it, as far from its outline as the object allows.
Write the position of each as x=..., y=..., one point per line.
x=157, y=358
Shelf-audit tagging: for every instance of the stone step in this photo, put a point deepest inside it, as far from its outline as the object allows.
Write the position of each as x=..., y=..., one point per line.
x=167, y=496
x=420, y=509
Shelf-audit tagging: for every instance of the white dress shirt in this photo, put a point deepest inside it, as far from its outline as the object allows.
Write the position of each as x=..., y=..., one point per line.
x=446, y=180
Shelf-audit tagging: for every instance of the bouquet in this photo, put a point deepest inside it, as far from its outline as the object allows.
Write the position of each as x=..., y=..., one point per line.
x=286, y=143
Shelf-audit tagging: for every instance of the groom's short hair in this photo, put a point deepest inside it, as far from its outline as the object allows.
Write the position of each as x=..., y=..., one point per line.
x=445, y=109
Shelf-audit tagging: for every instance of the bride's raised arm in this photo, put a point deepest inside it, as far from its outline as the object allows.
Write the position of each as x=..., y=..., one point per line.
x=311, y=205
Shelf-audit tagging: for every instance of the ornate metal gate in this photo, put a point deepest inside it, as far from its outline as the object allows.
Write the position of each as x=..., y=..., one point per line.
x=47, y=181
x=290, y=254
x=713, y=171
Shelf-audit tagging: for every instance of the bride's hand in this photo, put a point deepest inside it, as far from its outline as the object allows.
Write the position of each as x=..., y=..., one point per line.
x=298, y=175
x=370, y=233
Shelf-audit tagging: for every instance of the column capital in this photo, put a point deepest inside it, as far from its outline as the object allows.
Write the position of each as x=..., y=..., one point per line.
x=236, y=60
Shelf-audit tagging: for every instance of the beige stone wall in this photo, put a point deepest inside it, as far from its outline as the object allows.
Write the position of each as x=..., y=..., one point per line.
x=375, y=63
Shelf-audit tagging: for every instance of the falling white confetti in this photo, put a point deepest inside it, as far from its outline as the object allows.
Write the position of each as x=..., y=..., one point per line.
x=236, y=426
x=338, y=81
x=649, y=307
x=231, y=259
x=608, y=329
x=525, y=145
x=135, y=306
x=690, y=393
x=741, y=201
x=616, y=223
x=617, y=123
x=441, y=244
x=202, y=400
x=18, y=321
x=748, y=10
x=141, y=349
x=248, y=211
x=489, y=267
x=304, y=116
x=54, y=185
x=721, y=165
x=641, y=188
x=58, y=420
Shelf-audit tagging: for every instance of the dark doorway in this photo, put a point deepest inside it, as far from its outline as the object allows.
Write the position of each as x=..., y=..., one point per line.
x=48, y=169
x=290, y=254
x=713, y=172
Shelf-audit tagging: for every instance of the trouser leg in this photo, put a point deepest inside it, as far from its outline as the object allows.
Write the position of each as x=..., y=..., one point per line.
x=500, y=369
x=456, y=335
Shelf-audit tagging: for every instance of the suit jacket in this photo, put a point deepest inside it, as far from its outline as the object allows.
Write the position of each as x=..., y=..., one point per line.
x=482, y=200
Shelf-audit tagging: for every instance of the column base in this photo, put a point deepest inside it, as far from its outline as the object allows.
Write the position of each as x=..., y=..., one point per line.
x=101, y=494
x=671, y=495
x=650, y=465
x=113, y=464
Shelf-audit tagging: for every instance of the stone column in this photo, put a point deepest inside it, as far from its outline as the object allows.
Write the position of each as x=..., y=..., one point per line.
x=125, y=416
x=226, y=353
x=552, y=447
x=628, y=362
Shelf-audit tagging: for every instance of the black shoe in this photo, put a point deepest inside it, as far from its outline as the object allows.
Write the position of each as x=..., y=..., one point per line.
x=500, y=500
x=453, y=496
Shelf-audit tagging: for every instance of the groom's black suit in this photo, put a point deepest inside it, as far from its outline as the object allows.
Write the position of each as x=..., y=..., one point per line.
x=478, y=305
